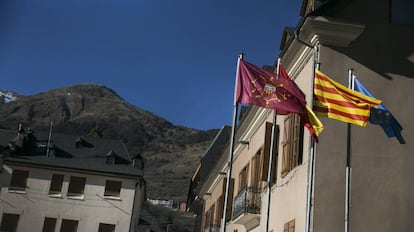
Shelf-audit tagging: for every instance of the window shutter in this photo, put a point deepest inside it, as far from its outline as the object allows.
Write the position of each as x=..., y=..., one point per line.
x=295, y=140
x=286, y=227
x=254, y=171
x=112, y=188
x=286, y=147
x=77, y=185
x=19, y=179
x=56, y=183
x=243, y=178
x=219, y=210
x=230, y=200
x=266, y=150
x=276, y=156
x=291, y=226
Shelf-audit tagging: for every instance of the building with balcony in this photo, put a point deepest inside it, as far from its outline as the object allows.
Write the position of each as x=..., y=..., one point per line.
x=309, y=181
x=58, y=182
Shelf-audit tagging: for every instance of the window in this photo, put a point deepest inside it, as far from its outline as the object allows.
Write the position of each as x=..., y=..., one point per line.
x=219, y=210
x=292, y=143
x=19, y=180
x=112, y=188
x=289, y=226
x=256, y=177
x=230, y=198
x=9, y=222
x=56, y=185
x=76, y=186
x=244, y=173
x=69, y=225
x=268, y=141
x=49, y=224
x=106, y=227
x=209, y=218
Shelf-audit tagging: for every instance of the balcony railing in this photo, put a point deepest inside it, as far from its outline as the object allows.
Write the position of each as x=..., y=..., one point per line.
x=248, y=201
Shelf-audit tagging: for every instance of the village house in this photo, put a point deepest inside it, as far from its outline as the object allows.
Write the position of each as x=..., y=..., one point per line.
x=58, y=182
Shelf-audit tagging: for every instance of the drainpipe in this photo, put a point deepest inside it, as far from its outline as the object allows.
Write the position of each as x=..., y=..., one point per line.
x=309, y=194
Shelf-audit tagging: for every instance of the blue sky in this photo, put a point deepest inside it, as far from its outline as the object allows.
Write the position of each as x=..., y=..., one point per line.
x=176, y=59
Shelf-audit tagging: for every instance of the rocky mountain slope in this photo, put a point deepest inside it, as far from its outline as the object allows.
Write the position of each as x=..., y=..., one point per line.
x=170, y=152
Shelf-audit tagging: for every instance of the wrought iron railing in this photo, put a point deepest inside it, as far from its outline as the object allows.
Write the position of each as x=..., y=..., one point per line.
x=247, y=201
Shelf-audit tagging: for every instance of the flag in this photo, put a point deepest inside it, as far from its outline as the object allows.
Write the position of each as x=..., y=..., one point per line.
x=312, y=122
x=380, y=115
x=260, y=87
x=333, y=100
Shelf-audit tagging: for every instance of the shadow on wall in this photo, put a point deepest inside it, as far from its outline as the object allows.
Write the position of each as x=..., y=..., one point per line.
x=391, y=45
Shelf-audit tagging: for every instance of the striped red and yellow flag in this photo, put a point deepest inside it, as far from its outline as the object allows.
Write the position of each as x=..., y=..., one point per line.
x=333, y=100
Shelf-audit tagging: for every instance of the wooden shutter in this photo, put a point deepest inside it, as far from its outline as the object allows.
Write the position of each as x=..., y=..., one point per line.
x=230, y=200
x=219, y=209
x=291, y=226
x=76, y=185
x=49, y=224
x=275, y=156
x=286, y=227
x=103, y=227
x=294, y=138
x=112, y=188
x=56, y=183
x=69, y=225
x=19, y=179
x=256, y=176
x=286, y=147
x=266, y=150
x=243, y=178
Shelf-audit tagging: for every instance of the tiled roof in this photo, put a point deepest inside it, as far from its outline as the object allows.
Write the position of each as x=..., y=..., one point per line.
x=74, y=152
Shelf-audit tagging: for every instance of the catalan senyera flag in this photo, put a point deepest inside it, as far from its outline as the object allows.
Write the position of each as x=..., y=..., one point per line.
x=260, y=87
x=333, y=100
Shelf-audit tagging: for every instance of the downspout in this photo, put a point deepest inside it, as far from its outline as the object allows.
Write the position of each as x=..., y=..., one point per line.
x=309, y=195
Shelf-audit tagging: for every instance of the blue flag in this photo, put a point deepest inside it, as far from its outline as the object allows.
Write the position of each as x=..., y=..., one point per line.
x=380, y=115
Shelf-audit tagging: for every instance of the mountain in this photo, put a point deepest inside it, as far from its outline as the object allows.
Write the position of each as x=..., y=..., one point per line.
x=170, y=152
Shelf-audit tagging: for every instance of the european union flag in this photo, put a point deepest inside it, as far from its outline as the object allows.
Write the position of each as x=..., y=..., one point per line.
x=380, y=115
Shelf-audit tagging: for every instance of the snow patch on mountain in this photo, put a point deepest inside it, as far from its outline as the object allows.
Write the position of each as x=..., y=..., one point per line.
x=7, y=96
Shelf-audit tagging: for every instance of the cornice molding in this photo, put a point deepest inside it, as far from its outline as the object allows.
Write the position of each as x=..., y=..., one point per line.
x=314, y=31
x=330, y=31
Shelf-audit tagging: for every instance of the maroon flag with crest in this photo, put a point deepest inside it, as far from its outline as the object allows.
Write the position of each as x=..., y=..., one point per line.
x=260, y=87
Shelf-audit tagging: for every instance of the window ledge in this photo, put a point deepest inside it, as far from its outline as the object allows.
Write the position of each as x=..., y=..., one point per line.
x=55, y=195
x=75, y=196
x=19, y=191
x=112, y=197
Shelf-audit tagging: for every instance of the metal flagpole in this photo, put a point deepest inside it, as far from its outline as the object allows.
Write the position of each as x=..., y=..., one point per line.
x=271, y=157
x=348, y=160
x=312, y=145
x=230, y=162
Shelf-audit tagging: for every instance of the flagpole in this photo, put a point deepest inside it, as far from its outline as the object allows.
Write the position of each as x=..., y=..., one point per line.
x=271, y=157
x=348, y=161
x=230, y=161
x=311, y=160
x=312, y=145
